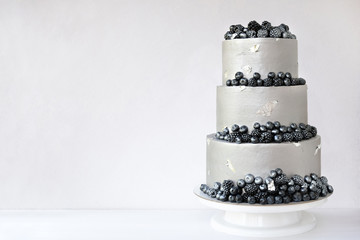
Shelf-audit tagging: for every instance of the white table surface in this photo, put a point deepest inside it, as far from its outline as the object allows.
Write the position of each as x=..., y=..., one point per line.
x=152, y=224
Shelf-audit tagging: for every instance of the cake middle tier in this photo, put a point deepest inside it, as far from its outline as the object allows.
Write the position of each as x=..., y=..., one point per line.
x=246, y=105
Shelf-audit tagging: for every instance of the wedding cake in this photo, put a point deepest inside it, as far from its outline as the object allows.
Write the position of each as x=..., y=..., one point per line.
x=264, y=151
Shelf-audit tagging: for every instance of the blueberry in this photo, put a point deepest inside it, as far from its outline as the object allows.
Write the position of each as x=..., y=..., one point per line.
x=324, y=192
x=313, y=195
x=203, y=187
x=290, y=130
x=218, y=195
x=307, y=179
x=235, y=128
x=278, y=199
x=283, y=129
x=275, y=131
x=279, y=171
x=243, y=82
x=217, y=186
x=262, y=201
x=303, y=190
x=226, y=131
x=223, y=197
x=278, y=138
x=212, y=193
x=282, y=193
x=229, y=83
x=254, y=140
x=258, y=180
x=288, y=75
x=263, y=128
x=260, y=82
x=291, y=189
x=241, y=183
x=287, y=82
x=231, y=198
x=235, y=82
x=227, y=138
x=256, y=125
x=297, y=197
x=330, y=189
x=302, y=81
x=291, y=182
x=238, y=140
x=217, y=135
x=234, y=190
x=269, y=180
x=270, y=200
x=238, y=198
x=273, y=173
x=297, y=187
x=314, y=176
x=244, y=129
x=270, y=125
x=283, y=187
x=239, y=75
x=286, y=199
x=281, y=75
x=313, y=187
x=277, y=124
x=306, y=197
x=251, y=200
x=221, y=137
x=249, y=178
x=263, y=187
x=256, y=75
x=302, y=126
x=271, y=75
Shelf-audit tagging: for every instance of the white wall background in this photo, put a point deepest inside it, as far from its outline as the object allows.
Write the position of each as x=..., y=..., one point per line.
x=106, y=104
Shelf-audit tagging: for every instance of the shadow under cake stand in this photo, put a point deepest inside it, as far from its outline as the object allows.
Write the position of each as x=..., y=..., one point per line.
x=257, y=220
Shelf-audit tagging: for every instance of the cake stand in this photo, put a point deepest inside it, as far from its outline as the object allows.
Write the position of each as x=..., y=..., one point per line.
x=256, y=220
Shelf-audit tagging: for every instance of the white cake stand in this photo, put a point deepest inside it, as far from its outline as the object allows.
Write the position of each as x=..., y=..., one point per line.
x=256, y=220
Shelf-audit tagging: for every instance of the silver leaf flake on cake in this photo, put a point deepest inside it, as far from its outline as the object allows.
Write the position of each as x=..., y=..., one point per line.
x=267, y=109
x=247, y=69
x=230, y=166
x=317, y=149
x=255, y=48
x=271, y=186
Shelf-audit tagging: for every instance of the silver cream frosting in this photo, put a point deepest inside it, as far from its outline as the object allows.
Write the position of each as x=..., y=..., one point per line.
x=246, y=105
x=233, y=161
x=262, y=55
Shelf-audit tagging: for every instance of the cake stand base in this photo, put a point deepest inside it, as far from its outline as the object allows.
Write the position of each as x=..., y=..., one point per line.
x=256, y=220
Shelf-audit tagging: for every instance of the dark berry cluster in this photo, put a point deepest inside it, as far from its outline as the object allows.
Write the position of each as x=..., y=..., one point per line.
x=271, y=132
x=277, y=188
x=277, y=80
x=256, y=30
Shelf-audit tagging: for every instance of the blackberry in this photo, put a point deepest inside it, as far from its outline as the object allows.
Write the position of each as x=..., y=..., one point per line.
x=298, y=136
x=313, y=131
x=256, y=133
x=266, y=137
x=275, y=32
x=288, y=137
x=295, y=81
x=271, y=75
x=233, y=136
x=243, y=82
x=284, y=27
x=278, y=82
x=252, y=82
x=212, y=192
x=245, y=196
x=256, y=75
x=254, y=25
x=236, y=28
x=235, y=128
x=268, y=82
x=258, y=195
x=297, y=179
x=251, y=34
x=226, y=185
x=281, y=179
x=239, y=75
x=266, y=25
x=245, y=137
x=262, y=33
x=307, y=134
x=251, y=188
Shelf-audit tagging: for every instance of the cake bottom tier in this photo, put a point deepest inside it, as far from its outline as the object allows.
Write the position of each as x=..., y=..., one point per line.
x=233, y=161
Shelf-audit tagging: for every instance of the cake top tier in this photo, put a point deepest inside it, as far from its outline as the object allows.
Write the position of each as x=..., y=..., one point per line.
x=257, y=30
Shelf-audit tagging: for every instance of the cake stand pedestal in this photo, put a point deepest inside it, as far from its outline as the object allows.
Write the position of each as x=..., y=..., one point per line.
x=256, y=220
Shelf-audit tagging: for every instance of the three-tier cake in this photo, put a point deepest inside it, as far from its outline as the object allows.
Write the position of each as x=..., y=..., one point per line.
x=264, y=150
